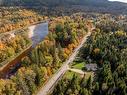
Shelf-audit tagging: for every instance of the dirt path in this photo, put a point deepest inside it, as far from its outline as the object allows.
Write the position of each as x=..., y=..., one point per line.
x=77, y=71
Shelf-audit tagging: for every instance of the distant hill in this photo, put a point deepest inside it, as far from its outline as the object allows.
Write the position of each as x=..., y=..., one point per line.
x=83, y=5
x=50, y=2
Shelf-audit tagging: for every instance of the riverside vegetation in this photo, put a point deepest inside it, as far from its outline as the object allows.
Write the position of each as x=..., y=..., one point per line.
x=43, y=61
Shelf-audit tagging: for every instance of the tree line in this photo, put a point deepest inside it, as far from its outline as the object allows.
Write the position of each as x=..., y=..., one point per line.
x=13, y=44
x=106, y=47
x=43, y=61
x=15, y=18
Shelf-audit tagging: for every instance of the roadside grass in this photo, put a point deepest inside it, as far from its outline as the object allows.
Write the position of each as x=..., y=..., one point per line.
x=70, y=74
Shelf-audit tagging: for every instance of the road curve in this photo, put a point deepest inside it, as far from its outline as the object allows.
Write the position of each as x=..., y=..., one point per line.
x=51, y=82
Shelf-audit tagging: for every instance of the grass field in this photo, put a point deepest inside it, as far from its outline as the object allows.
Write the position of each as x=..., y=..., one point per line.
x=78, y=65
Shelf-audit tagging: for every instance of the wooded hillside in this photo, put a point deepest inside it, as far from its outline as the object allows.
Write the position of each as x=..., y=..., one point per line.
x=82, y=5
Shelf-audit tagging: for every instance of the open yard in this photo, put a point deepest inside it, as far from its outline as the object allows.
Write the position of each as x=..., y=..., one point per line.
x=78, y=65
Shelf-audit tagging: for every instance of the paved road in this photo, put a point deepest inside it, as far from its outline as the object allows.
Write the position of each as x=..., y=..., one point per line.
x=48, y=86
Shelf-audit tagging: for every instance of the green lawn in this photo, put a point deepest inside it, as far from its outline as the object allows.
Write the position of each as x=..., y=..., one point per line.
x=69, y=75
x=77, y=65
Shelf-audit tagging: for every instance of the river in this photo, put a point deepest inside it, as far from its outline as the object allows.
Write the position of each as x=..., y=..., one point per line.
x=36, y=33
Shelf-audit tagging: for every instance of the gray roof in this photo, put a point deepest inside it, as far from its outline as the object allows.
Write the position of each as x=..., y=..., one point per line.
x=92, y=67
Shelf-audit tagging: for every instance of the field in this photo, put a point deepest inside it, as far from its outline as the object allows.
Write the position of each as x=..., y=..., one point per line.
x=78, y=65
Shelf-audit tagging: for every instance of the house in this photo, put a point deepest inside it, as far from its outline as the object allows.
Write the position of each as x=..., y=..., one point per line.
x=91, y=67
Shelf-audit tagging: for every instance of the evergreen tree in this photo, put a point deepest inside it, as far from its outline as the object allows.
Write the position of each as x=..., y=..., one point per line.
x=89, y=83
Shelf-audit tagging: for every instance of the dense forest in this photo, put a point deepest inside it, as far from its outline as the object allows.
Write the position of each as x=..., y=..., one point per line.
x=69, y=21
x=106, y=47
x=75, y=86
x=12, y=44
x=17, y=18
x=43, y=61
x=103, y=6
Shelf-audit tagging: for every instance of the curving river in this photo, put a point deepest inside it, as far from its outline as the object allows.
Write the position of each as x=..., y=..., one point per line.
x=36, y=33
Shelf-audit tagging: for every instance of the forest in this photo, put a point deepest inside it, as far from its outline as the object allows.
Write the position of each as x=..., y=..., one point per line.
x=16, y=18
x=68, y=24
x=43, y=61
x=73, y=6
x=108, y=49
x=13, y=44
